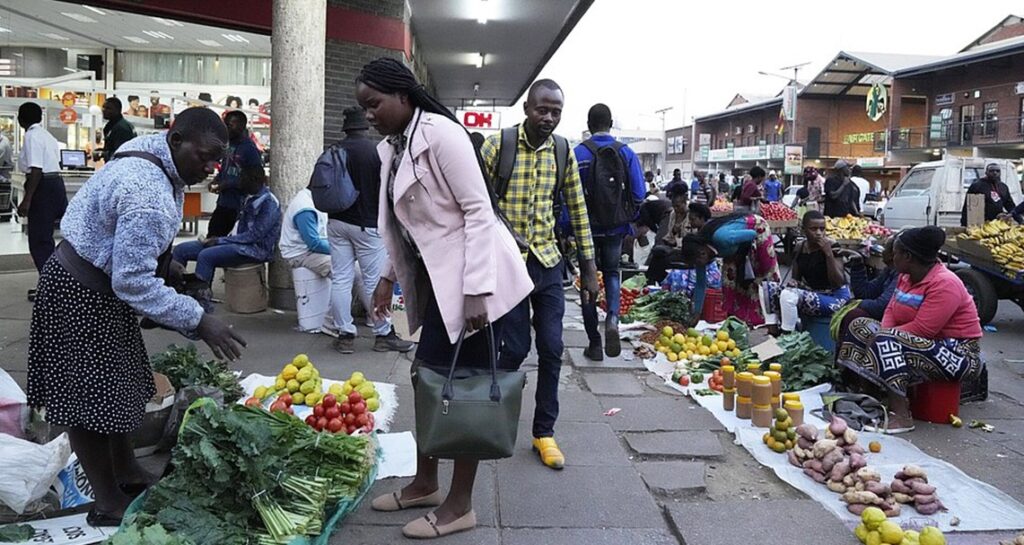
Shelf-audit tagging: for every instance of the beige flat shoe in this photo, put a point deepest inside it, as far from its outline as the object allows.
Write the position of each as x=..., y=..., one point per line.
x=394, y=502
x=426, y=527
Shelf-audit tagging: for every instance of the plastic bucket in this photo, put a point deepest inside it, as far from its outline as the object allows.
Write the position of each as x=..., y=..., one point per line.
x=245, y=288
x=312, y=298
x=713, y=311
x=819, y=327
x=935, y=401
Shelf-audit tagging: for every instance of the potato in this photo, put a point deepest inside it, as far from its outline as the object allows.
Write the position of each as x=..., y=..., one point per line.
x=902, y=498
x=814, y=465
x=831, y=459
x=900, y=476
x=928, y=508
x=925, y=498
x=858, y=485
x=850, y=436
x=840, y=470
x=838, y=426
x=858, y=461
x=817, y=476
x=806, y=444
x=861, y=496
x=837, y=487
x=909, y=481
x=877, y=487
x=823, y=447
x=807, y=431
x=848, y=480
x=900, y=487
x=857, y=508
x=922, y=488
x=911, y=470
x=868, y=474
x=793, y=459
x=892, y=511
x=854, y=449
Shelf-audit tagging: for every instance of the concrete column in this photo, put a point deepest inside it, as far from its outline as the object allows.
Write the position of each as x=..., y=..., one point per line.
x=297, y=93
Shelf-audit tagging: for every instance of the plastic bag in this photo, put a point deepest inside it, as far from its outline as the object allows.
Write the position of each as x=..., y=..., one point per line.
x=13, y=407
x=72, y=485
x=738, y=331
x=27, y=470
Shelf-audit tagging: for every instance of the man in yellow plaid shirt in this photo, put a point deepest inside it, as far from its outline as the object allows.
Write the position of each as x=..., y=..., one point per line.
x=528, y=203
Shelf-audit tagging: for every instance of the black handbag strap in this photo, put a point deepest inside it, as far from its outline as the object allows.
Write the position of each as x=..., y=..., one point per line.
x=448, y=391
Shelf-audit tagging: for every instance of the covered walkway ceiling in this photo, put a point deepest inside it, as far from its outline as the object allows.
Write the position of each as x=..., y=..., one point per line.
x=853, y=74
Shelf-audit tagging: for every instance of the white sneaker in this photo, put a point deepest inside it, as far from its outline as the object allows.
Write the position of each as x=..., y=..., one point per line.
x=329, y=331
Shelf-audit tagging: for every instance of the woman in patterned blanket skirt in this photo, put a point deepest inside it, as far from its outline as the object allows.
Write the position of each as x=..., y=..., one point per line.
x=930, y=330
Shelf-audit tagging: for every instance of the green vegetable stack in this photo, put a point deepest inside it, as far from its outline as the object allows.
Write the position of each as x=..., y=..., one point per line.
x=804, y=362
x=184, y=368
x=660, y=305
x=243, y=476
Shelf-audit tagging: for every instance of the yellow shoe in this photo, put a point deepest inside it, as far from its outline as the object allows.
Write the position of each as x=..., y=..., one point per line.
x=550, y=455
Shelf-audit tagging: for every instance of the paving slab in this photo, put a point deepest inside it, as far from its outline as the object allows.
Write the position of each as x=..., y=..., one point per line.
x=574, y=406
x=533, y=496
x=363, y=534
x=613, y=384
x=583, y=443
x=673, y=477
x=484, y=500
x=765, y=522
x=658, y=414
x=575, y=339
x=589, y=536
x=700, y=444
x=626, y=360
x=657, y=384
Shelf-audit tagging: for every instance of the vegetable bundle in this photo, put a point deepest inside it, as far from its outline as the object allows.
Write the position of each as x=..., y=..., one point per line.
x=184, y=368
x=654, y=306
x=804, y=362
x=243, y=475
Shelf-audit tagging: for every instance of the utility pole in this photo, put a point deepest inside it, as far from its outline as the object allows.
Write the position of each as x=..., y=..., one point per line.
x=664, y=138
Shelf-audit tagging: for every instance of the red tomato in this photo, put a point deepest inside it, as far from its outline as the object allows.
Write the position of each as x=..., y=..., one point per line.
x=346, y=407
x=318, y=410
x=332, y=412
x=286, y=398
x=278, y=406
x=362, y=421
x=252, y=402
x=355, y=397
x=334, y=425
x=321, y=423
x=351, y=429
x=684, y=380
x=311, y=421
x=329, y=401
x=349, y=419
x=359, y=408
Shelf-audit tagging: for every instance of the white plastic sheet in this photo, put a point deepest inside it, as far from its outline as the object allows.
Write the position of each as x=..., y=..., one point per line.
x=69, y=530
x=382, y=418
x=398, y=455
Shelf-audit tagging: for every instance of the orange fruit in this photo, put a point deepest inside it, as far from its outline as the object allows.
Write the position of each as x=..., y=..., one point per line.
x=875, y=446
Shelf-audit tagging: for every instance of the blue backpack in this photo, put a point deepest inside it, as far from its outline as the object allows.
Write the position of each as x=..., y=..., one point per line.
x=331, y=183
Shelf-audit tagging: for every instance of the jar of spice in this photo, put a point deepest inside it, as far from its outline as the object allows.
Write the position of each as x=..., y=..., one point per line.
x=776, y=379
x=744, y=407
x=729, y=399
x=762, y=391
x=744, y=384
x=754, y=367
x=777, y=367
x=728, y=376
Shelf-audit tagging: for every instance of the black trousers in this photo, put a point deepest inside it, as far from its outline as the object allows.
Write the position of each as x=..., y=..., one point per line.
x=222, y=221
x=48, y=205
x=662, y=258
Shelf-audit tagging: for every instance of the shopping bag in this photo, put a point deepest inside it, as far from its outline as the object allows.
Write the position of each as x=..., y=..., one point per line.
x=13, y=407
x=27, y=469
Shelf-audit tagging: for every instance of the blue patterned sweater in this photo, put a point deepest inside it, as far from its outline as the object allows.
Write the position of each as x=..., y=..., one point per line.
x=122, y=219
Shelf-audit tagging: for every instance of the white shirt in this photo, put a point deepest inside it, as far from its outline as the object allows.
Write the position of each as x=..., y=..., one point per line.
x=863, y=186
x=39, y=150
x=291, y=243
x=6, y=157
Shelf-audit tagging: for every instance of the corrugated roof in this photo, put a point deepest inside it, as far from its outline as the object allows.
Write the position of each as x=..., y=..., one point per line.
x=891, y=62
x=985, y=52
x=764, y=103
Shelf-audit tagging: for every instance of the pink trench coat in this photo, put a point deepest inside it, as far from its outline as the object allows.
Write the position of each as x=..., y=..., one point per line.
x=441, y=198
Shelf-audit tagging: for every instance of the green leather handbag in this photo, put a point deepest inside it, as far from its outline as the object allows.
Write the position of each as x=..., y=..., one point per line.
x=470, y=413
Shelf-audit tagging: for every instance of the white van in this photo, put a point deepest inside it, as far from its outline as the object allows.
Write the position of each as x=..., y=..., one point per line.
x=933, y=193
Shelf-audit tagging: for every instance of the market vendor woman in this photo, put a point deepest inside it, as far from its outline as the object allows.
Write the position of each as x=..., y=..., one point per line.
x=87, y=364
x=929, y=332
x=744, y=242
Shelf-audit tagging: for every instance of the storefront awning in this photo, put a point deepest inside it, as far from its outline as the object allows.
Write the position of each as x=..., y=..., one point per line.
x=853, y=74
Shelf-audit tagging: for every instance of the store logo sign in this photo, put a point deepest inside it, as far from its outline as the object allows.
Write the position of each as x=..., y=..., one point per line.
x=474, y=119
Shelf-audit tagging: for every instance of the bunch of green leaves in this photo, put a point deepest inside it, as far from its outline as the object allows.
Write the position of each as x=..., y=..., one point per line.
x=804, y=362
x=133, y=534
x=184, y=368
x=738, y=331
x=658, y=305
x=16, y=533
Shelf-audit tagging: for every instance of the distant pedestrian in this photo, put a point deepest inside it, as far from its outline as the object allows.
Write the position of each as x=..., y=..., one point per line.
x=610, y=174
x=658, y=178
x=6, y=158
x=750, y=191
x=44, y=199
x=814, y=183
x=842, y=197
x=677, y=181
x=702, y=191
x=117, y=131
x=863, y=186
x=723, y=185
x=772, y=188
x=242, y=154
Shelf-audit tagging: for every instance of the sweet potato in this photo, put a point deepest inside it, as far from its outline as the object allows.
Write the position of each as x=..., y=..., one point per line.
x=799, y=451
x=909, y=481
x=837, y=426
x=900, y=476
x=902, y=498
x=925, y=498
x=850, y=436
x=806, y=444
x=858, y=461
x=807, y=431
x=854, y=449
x=831, y=459
x=814, y=465
x=922, y=488
x=858, y=485
x=837, y=487
x=823, y=447
x=928, y=508
x=848, y=480
x=868, y=474
x=911, y=470
x=817, y=476
x=857, y=508
x=840, y=470
x=900, y=487
x=877, y=487
x=861, y=496
x=893, y=510
x=793, y=459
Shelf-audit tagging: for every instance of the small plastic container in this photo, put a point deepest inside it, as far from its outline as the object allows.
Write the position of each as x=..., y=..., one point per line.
x=796, y=412
x=776, y=379
x=935, y=401
x=728, y=376
x=790, y=396
x=744, y=407
x=729, y=399
x=744, y=384
x=777, y=367
x=761, y=416
x=762, y=391
x=754, y=367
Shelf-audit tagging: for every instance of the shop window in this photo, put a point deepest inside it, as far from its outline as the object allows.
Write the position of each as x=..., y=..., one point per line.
x=948, y=131
x=990, y=118
x=966, y=122
x=141, y=66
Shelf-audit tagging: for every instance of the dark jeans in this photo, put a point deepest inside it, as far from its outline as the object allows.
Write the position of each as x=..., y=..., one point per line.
x=436, y=352
x=548, y=302
x=608, y=252
x=48, y=205
x=209, y=259
x=222, y=221
x=662, y=258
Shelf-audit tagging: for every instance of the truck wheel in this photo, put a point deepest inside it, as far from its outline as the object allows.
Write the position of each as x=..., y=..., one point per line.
x=984, y=293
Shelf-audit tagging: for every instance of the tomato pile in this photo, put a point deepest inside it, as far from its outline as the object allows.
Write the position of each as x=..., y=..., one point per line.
x=776, y=211
x=346, y=416
x=627, y=296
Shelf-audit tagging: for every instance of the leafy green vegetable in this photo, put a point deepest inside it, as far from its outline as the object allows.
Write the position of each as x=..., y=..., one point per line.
x=659, y=305
x=738, y=331
x=183, y=367
x=804, y=362
x=150, y=535
x=16, y=533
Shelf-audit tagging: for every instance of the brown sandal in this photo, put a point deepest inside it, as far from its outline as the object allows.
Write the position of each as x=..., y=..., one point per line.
x=393, y=501
x=426, y=527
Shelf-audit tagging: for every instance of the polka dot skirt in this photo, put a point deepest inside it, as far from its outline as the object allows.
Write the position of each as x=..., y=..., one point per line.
x=87, y=364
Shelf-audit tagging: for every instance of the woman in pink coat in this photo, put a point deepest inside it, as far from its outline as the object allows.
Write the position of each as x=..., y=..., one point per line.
x=457, y=263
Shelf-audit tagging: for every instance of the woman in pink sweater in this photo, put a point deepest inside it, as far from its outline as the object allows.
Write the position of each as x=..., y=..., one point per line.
x=929, y=332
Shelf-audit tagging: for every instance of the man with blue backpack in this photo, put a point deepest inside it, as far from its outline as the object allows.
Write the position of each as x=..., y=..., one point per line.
x=613, y=185
x=346, y=185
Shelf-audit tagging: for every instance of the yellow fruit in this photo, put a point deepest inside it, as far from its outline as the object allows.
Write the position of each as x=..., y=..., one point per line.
x=280, y=384
x=706, y=341
x=312, y=399
x=770, y=442
x=875, y=447
x=890, y=532
x=722, y=346
x=663, y=349
x=723, y=336
x=861, y=532
x=260, y=393
x=335, y=389
x=679, y=338
x=911, y=537
x=293, y=386
x=704, y=351
x=372, y=404
x=874, y=538
x=731, y=344
x=304, y=374
x=357, y=378
x=672, y=357
x=667, y=331
x=872, y=517
x=789, y=444
x=931, y=536
x=736, y=352
x=300, y=361
x=676, y=347
x=766, y=437
x=346, y=388
x=692, y=332
x=779, y=447
x=307, y=387
x=289, y=371
x=298, y=398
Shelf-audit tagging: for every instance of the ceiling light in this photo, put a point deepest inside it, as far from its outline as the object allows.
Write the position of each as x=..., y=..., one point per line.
x=479, y=61
x=2, y=29
x=481, y=16
x=166, y=22
x=53, y=36
x=237, y=38
x=136, y=39
x=78, y=17
x=208, y=43
x=94, y=10
x=158, y=34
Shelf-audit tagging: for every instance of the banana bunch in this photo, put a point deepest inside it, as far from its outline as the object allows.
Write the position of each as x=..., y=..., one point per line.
x=1004, y=239
x=853, y=228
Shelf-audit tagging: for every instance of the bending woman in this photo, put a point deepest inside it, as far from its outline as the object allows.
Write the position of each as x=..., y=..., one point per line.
x=744, y=242
x=929, y=332
x=458, y=265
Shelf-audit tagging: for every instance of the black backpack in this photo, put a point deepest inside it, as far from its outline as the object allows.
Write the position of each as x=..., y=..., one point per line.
x=331, y=184
x=607, y=187
x=507, y=163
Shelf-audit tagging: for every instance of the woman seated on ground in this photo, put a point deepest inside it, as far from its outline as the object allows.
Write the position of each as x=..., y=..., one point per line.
x=873, y=294
x=929, y=332
x=670, y=232
x=256, y=234
x=817, y=286
x=744, y=242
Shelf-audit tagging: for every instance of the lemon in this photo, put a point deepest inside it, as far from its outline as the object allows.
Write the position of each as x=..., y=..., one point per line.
x=293, y=386
x=704, y=351
x=723, y=346
x=289, y=371
x=911, y=537
x=736, y=352
x=861, y=532
x=346, y=388
x=372, y=404
x=300, y=361
x=766, y=438
x=672, y=357
x=298, y=398
x=679, y=338
x=260, y=393
x=874, y=538
x=367, y=389
x=723, y=335
x=335, y=389
x=356, y=379
x=692, y=332
x=312, y=399
x=872, y=517
x=663, y=349
x=779, y=447
x=891, y=532
x=931, y=536
x=731, y=344
x=307, y=387
x=304, y=374
x=280, y=384
x=667, y=331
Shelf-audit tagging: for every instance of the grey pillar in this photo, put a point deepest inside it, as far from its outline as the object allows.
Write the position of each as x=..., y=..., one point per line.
x=297, y=92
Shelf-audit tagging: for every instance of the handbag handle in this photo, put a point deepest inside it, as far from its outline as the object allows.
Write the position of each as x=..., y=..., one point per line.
x=448, y=392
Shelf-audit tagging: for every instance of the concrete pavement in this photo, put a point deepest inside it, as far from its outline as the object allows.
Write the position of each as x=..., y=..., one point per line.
x=662, y=471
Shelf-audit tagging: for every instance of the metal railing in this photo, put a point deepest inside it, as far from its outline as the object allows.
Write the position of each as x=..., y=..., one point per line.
x=950, y=133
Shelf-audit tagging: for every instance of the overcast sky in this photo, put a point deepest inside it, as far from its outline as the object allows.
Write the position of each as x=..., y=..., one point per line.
x=695, y=56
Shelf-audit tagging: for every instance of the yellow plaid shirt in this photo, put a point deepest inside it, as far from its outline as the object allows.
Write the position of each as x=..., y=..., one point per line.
x=528, y=203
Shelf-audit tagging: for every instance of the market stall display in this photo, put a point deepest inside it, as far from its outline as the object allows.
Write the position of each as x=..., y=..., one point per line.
x=854, y=228
x=722, y=206
x=658, y=305
x=183, y=366
x=777, y=212
x=875, y=528
x=1005, y=242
